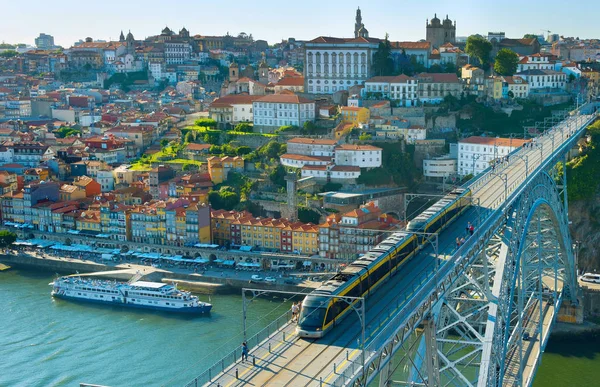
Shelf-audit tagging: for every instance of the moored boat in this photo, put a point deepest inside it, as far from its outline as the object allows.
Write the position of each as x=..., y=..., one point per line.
x=136, y=294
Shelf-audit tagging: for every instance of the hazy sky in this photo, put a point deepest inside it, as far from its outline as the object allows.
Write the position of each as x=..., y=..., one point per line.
x=69, y=20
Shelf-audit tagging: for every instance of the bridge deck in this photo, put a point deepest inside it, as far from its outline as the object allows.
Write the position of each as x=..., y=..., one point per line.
x=307, y=362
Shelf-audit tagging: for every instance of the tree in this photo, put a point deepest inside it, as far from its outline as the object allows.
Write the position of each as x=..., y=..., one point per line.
x=244, y=127
x=277, y=176
x=243, y=150
x=212, y=138
x=572, y=78
x=383, y=64
x=510, y=94
x=479, y=48
x=8, y=54
x=272, y=150
x=364, y=137
x=7, y=238
x=164, y=142
x=506, y=62
x=224, y=199
x=66, y=131
x=206, y=122
x=530, y=36
x=307, y=215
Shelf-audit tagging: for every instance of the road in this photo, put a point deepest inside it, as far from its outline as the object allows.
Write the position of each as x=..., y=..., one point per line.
x=296, y=362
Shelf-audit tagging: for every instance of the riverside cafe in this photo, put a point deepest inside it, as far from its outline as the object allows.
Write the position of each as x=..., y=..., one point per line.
x=157, y=259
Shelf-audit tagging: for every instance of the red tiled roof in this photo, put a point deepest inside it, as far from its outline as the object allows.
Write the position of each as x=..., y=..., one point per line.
x=284, y=98
x=354, y=147
x=235, y=99
x=500, y=141
x=315, y=141
x=411, y=45
x=293, y=156
x=291, y=81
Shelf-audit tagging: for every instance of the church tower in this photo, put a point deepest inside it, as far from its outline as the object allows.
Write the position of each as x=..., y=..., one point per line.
x=234, y=72
x=359, y=28
x=263, y=72
x=121, y=37
x=439, y=32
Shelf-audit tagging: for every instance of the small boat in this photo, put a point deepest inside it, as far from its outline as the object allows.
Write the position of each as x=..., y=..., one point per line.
x=135, y=294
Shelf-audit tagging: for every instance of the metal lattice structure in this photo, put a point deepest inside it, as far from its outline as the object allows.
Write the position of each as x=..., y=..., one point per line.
x=483, y=318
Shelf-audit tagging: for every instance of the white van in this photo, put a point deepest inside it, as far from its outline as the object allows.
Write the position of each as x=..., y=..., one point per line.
x=590, y=277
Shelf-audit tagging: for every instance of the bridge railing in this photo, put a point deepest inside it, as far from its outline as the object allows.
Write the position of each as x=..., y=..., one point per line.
x=233, y=356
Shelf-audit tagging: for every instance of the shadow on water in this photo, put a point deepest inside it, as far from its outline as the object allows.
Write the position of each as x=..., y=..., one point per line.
x=581, y=345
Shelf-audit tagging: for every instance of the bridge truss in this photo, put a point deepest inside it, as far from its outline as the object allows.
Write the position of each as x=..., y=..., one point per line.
x=472, y=322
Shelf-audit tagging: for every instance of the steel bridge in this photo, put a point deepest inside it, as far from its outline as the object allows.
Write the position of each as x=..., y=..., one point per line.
x=477, y=315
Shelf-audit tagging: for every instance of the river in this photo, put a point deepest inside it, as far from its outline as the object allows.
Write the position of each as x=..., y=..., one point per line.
x=49, y=342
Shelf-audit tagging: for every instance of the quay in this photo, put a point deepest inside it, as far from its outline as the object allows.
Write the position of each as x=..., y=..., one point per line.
x=210, y=281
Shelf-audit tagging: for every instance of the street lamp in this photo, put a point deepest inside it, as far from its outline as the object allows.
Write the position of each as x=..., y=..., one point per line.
x=504, y=178
x=526, y=160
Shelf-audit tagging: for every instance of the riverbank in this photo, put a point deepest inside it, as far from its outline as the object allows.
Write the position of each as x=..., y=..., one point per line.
x=209, y=282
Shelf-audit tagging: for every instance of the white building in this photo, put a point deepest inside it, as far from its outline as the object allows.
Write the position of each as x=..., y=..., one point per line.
x=299, y=161
x=177, y=51
x=440, y=167
x=311, y=146
x=17, y=108
x=535, y=62
x=400, y=88
x=106, y=180
x=541, y=79
x=335, y=173
x=334, y=64
x=475, y=153
x=283, y=109
x=363, y=156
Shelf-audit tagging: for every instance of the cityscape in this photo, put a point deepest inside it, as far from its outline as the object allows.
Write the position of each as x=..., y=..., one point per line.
x=393, y=212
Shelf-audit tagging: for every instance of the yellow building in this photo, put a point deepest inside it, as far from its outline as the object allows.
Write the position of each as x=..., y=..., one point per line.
x=591, y=74
x=221, y=225
x=260, y=232
x=343, y=129
x=219, y=167
x=305, y=238
x=88, y=221
x=356, y=115
x=495, y=87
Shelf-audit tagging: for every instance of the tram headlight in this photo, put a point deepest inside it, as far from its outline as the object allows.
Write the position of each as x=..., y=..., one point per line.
x=318, y=329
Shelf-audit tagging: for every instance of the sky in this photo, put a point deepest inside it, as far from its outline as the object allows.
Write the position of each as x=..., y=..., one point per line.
x=69, y=20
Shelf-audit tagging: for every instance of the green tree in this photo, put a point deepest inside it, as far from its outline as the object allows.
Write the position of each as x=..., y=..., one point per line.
x=244, y=127
x=66, y=131
x=277, y=175
x=364, y=137
x=212, y=138
x=480, y=48
x=164, y=142
x=272, y=150
x=383, y=64
x=307, y=215
x=8, y=54
x=572, y=78
x=243, y=150
x=506, y=62
x=206, y=122
x=7, y=238
x=224, y=199
x=530, y=36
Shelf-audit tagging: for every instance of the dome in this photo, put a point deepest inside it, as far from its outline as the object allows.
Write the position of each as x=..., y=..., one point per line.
x=435, y=21
x=166, y=31
x=130, y=36
x=183, y=31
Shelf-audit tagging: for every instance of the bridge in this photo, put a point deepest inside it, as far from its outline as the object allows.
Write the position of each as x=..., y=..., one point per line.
x=476, y=315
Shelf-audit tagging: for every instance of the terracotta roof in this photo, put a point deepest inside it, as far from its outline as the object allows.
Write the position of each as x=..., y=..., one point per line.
x=315, y=167
x=512, y=80
x=439, y=77
x=411, y=45
x=345, y=168
x=291, y=81
x=500, y=141
x=390, y=79
x=354, y=147
x=284, y=98
x=197, y=147
x=332, y=40
x=315, y=141
x=293, y=156
x=235, y=99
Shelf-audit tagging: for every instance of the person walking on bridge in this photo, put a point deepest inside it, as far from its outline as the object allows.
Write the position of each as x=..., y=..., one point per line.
x=244, y=351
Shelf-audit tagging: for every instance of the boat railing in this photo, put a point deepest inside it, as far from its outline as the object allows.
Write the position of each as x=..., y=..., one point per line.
x=232, y=357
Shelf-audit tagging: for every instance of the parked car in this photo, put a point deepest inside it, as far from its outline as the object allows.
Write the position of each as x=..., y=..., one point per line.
x=271, y=279
x=256, y=277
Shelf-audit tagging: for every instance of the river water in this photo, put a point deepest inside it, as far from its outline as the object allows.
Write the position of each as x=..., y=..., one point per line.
x=49, y=342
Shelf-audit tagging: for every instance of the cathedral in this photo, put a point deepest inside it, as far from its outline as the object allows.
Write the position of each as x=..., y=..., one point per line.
x=439, y=32
x=359, y=28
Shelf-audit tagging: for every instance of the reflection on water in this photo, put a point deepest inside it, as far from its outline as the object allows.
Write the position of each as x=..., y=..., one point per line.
x=53, y=342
